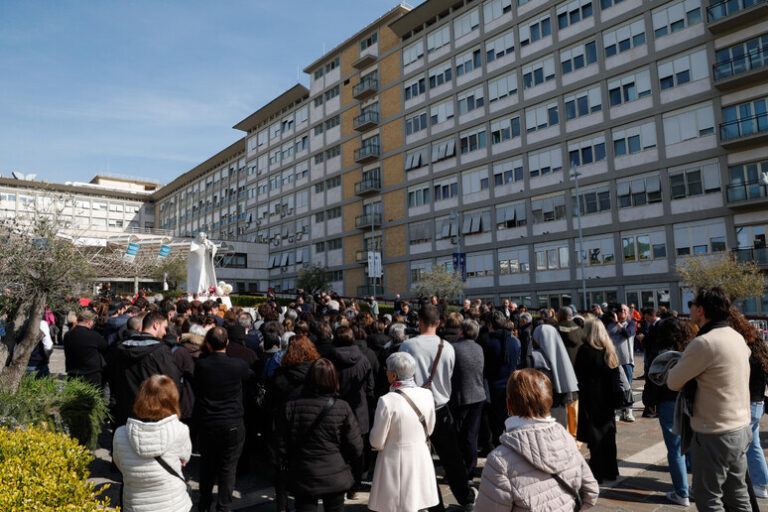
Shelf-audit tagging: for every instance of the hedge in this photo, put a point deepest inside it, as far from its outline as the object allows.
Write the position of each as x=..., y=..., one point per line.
x=70, y=406
x=44, y=471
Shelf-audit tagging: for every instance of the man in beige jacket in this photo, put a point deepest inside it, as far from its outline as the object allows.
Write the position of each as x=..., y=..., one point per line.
x=718, y=358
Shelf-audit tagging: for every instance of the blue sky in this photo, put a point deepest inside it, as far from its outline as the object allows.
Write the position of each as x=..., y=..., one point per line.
x=149, y=89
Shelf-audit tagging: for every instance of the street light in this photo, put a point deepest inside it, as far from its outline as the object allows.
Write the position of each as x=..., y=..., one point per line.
x=455, y=215
x=582, y=251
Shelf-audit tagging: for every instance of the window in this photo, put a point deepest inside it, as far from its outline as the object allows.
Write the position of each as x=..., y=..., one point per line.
x=505, y=129
x=624, y=38
x=513, y=261
x=688, y=123
x=318, y=73
x=592, y=200
x=501, y=87
x=441, y=112
x=445, y=227
x=318, y=130
x=548, y=209
x=535, y=30
x=552, y=258
x=301, y=143
x=318, y=101
x=511, y=215
x=420, y=232
x=478, y=221
x=332, y=245
x=577, y=57
x=275, y=156
x=287, y=151
x=333, y=213
x=627, y=141
x=416, y=158
x=696, y=238
x=587, y=151
x=446, y=189
x=418, y=195
x=472, y=140
x=638, y=191
x=606, y=4
x=319, y=216
x=438, y=38
x=541, y=116
x=629, y=87
x=414, y=88
x=369, y=41
x=413, y=52
x=333, y=121
x=440, y=74
x=332, y=152
x=302, y=115
x=573, y=12
x=336, y=275
x=583, y=103
x=332, y=93
x=465, y=24
x=287, y=124
x=500, y=46
x=274, y=133
x=262, y=137
x=643, y=247
x=470, y=100
x=538, y=72
x=494, y=9
x=682, y=69
x=330, y=66
x=597, y=251
x=745, y=119
x=675, y=16
x=333, y=182
x=474, y=181
x=443, y=149
x=466, y=62
x=480, y=265
x=742, y=57
x=694, y=180
x=416, y=123
x=545, y=161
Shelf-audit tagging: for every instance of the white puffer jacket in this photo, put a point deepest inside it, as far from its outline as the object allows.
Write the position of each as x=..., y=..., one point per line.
x=517, y=473
x=147, y=487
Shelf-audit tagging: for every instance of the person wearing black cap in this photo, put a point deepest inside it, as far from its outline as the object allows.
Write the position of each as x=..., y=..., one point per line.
x=237, y=348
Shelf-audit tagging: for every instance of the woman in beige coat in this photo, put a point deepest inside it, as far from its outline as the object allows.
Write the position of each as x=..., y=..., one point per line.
x=404, y=478
x=518, y=473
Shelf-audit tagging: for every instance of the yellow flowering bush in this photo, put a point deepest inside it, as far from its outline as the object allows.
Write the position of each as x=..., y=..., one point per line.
x=44, y=471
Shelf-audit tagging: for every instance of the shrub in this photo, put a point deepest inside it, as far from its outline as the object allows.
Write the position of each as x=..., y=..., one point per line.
x=173, y=294
x=43, y=471
x=72, y=406
x=384, y=309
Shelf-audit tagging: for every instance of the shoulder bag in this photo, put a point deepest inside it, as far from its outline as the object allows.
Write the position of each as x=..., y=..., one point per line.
x=172, y=471
x=428, y=384
x=570, y=490
x=422, y=419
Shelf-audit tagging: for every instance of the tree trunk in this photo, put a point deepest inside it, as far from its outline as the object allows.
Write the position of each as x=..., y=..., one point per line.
x=12, y=329
x=10, y=376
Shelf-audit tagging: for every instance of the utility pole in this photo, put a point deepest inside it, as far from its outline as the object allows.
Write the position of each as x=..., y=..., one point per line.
x=582, y=250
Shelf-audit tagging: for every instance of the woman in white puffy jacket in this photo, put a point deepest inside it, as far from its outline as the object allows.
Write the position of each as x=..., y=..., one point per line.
x=147, y=485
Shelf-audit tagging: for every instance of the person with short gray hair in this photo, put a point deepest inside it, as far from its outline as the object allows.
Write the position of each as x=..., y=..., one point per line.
x=397, y=334
x=468, y=392
x=404, y=477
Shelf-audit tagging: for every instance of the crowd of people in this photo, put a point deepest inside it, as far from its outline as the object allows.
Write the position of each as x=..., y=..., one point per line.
x=330, y=398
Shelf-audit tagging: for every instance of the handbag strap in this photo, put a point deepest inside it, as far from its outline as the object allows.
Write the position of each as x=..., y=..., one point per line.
x=570, y=490
x=428, y=384
x=418, y=412
x=169, y=469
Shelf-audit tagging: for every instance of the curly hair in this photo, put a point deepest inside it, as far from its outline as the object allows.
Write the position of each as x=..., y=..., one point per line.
x=740, y=324
x=299, y=350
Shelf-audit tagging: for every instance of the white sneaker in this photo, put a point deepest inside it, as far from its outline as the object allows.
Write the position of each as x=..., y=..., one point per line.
x=677, y=499
x=760, y=491
x=627, y=416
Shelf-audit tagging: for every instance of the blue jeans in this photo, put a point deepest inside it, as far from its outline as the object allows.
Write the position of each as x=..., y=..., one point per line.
x=677, y=463
x=758, y=472
x=629, y=369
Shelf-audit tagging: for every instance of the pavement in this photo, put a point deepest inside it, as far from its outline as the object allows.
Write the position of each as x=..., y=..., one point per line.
x=644, y=477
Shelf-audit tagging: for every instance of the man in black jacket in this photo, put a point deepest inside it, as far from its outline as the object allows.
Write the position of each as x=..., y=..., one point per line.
x=137, y=359
x=219, y=383
x=84, y=350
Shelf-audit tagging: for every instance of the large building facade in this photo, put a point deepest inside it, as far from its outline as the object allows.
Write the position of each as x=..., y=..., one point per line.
x=549, y=141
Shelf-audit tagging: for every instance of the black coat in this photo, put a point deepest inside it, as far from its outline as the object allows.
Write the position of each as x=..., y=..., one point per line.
x=319, y=461
x=220, y=383
x=596, y=413
x=84, y=351
x=355, y=382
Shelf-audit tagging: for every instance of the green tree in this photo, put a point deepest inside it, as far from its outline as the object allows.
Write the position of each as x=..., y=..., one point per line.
x=313, y=278
x=441, y=282
x=176, y=270
x=740, y=279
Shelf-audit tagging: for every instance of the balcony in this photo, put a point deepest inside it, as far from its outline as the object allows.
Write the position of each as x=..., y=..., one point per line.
x=367, y=153
x=365, y=60
x=744, y=70
x=729, y=14
x=368, y=220
x=368, y=187
x=743, y=132
x=366, y=121
x=747, y=195
x=367, y=87
x=759, y=255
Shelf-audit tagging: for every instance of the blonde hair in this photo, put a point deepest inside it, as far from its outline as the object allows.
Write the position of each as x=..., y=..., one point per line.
x=597, y=337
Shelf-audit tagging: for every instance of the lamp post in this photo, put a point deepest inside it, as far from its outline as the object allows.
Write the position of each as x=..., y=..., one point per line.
x=373, y=246
x=455, y=215
x=582, y=251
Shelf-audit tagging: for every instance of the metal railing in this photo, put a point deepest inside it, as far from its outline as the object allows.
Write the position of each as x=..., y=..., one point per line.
x=739, y=65
x=367, y=151
x=366, y=186
x=744, y=127
x=757, y=254
x=366, y=118
x=744, y=191
x=725, y=8
x=365, y=221
x=365, y=86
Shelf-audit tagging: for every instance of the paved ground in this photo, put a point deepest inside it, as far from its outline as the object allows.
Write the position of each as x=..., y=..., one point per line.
x=641, y=487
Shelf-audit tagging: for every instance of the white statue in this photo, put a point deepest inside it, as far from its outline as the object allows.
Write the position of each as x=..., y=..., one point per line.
x=201, y=274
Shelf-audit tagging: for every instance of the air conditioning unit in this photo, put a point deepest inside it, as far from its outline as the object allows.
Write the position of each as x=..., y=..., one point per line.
x=290, y=239
x=299, y=236
x=276, y=242
x=290, y=211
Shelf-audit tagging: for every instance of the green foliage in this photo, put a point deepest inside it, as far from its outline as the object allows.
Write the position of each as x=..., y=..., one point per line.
x=71, y=406
x=254, y=301
x=8, y=305
x=172, y=294
x=441, y=282
x=176, y=270
x=740, y=279
x=313, y=278
x=44, y=471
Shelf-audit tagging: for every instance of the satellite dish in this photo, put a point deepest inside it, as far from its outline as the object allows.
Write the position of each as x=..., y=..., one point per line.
x=18, y=175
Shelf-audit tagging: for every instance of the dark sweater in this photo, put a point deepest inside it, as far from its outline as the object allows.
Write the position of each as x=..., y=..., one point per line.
x=467, y=380
x=84, y=351
x=219, y=383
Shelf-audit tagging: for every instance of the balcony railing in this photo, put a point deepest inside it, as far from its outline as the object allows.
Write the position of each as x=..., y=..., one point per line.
x=365, y=88
x=367, y=152
x=746, y=191
x=758, y=254
x=721, y=10
x=742, y=64
x=744, y=127
x=368, y=220
x=366, y=121
x=368, y=186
